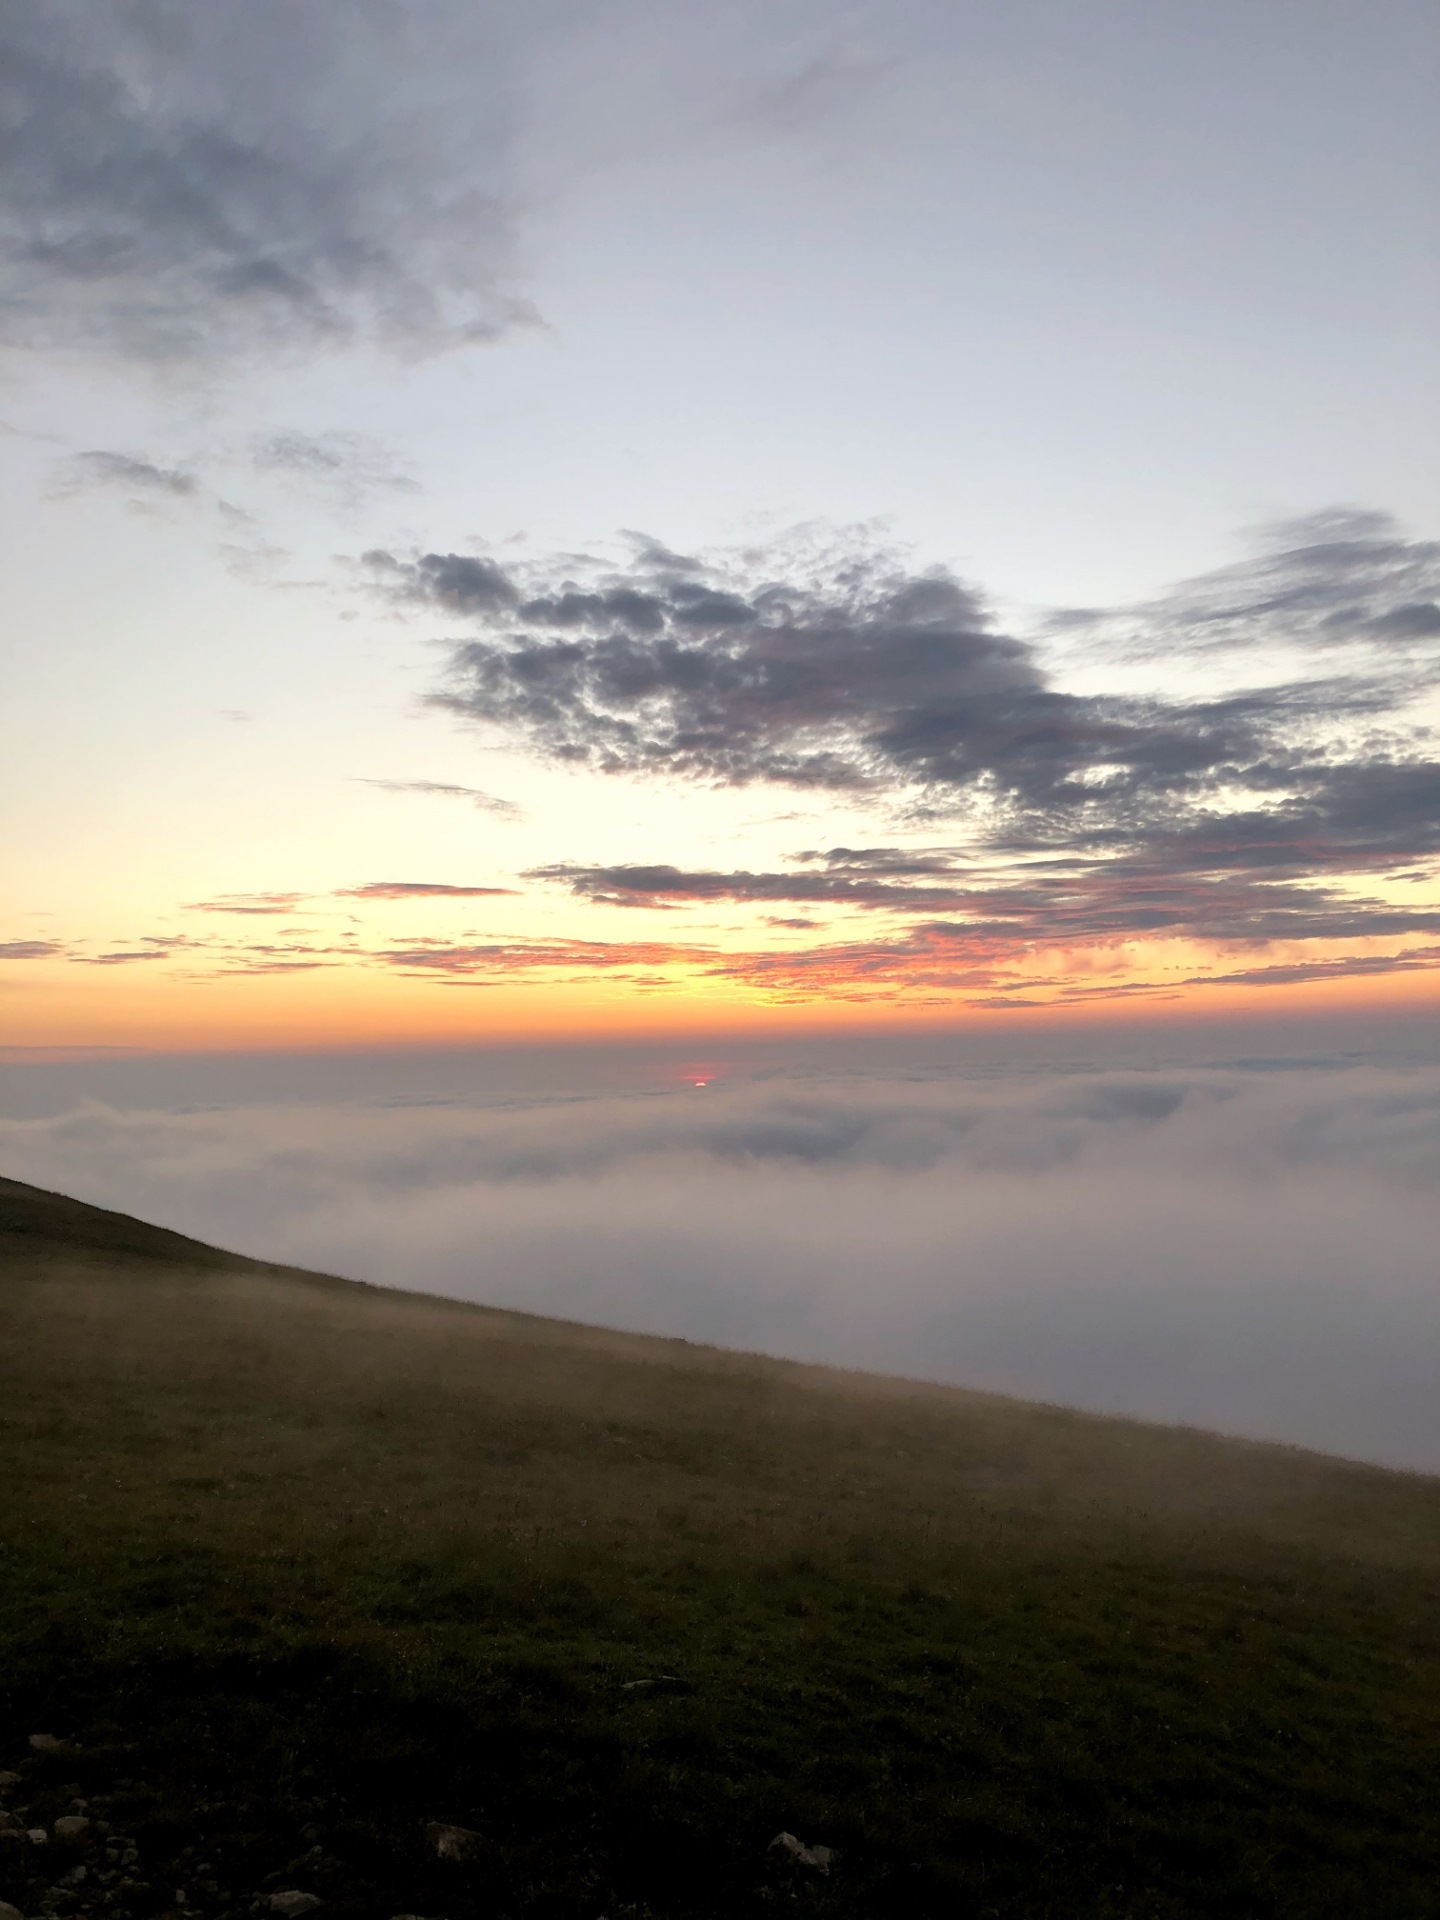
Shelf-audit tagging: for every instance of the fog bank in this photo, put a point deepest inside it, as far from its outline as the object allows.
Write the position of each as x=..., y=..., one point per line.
x=1249, y=1246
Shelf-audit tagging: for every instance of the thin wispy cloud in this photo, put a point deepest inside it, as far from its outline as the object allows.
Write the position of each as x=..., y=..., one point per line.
x=447, y=790
x=343, y=469
x=127, y=473
x=256, y=903
x=418, y=890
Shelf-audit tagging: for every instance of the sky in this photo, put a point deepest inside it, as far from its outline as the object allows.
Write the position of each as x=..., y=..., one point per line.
x=646, y=520
x=759, y=671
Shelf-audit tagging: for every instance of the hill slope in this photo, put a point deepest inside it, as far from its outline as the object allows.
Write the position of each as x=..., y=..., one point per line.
x=296, y=1568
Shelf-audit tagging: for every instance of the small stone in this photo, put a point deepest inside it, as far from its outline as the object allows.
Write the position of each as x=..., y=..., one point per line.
x=74, y=1878
x=7, y=1912
x=451, y=1843
x=70, y=1826
x=292, y=1902
x=9, y=1780
x=817, y=1857
x=44, y=1742
x=39, y=1837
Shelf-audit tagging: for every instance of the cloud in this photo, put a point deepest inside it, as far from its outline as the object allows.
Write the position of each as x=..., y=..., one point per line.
x=486, y=802
x=1354, y=966
x=187, y=183
x=854, y=674
x=625, y=886
x=1344, y=577
x=1242, y=1246
x=1241, y=813
x=343, y=469
x=130, y=473
x=29, y=949
x=263, y=903
x=119, y=959
x=418, y=890
x=511, y=959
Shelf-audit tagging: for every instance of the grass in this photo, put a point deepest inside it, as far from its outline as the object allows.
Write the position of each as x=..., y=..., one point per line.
x=296, y=1567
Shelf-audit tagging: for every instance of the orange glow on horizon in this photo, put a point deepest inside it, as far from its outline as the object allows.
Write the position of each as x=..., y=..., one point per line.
x=347, y=1007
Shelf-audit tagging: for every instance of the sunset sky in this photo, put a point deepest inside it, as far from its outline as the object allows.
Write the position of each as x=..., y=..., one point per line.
x=578, y=521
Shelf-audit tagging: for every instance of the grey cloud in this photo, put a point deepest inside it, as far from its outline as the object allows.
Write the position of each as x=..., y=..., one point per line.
x=1335, y=578
x=443, y=789
x=184, y=182
x=1073, y=901
x=457, y=582
x=119, y=959
x=418, y=890
x=1353, y=966
x=342, y=468
x=29, y=949
x=1249, y=1249
x=635, y=886
x=842, y=668
x=129, y=472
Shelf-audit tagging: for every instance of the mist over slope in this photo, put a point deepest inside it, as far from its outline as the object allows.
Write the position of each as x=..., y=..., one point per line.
x=294, y=1569
x=1245, y=1244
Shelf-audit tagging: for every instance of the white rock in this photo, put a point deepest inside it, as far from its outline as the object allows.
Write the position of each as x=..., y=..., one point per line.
x=39, y=1836
x=817, y=1857
x=451, y=1843
x=44, y=1742
x=292, y=1903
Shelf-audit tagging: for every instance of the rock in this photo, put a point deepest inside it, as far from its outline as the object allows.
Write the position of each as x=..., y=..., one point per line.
x=74, y=1878
x=70, y=1826
x=45, y=1742
x=9, y=1780
x=817, y=1857
x=38, y=1836
x=451, y=1843
x=7, y=1912
x=292, y=1903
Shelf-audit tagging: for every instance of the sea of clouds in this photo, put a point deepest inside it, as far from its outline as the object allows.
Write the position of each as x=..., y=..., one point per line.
x=1251, y=1245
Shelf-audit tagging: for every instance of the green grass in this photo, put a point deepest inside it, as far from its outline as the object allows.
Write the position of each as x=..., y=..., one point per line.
x=298, y=1565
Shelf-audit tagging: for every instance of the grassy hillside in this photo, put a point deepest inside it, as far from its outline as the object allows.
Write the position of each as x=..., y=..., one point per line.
x=295, y=1568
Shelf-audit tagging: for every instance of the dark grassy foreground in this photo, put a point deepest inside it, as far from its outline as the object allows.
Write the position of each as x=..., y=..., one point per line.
x=295, y=1567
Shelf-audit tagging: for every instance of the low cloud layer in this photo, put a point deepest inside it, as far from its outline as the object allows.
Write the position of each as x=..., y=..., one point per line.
x=1247, y=1246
